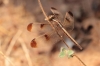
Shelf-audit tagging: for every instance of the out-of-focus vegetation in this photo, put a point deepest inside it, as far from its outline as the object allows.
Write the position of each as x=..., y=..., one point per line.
x=15, y=49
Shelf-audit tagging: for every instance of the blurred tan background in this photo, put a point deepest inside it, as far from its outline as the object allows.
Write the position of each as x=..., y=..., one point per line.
x=15, y=49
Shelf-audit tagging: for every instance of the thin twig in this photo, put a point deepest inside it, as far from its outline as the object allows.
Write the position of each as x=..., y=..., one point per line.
x=52, y=24
x=14, y=39
x=26, y=51
x=8, y=38
x=80, y=60
x=60, y=26
x=6, y=58
x=65, y=31
x=57, y=31
x=42, y=9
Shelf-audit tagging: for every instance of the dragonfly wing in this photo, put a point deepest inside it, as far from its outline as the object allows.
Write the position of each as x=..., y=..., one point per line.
x=68, y=22
x=56, y=13
x=46, y=39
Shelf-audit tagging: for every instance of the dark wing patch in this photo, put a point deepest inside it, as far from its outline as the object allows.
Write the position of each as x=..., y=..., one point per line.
x=33, y=43
x=54, y=11
x=29, y=27
x=68, y=21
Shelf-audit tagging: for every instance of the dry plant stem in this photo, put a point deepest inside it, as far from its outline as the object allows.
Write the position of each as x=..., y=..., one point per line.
x=80, y=60
x=6, y=58
x=25, y=51
x=6, y=2
x=51, y=23
x=61, y=38
x=57, y=32
x=8, y=38
x=5, y=43
x=59, y=25
x=14, y=39
x=67, y=33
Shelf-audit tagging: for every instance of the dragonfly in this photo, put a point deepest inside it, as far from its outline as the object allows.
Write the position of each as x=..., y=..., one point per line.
x=60, y=25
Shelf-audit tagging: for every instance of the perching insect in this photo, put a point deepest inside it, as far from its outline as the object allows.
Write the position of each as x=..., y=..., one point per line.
x=60, y=27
